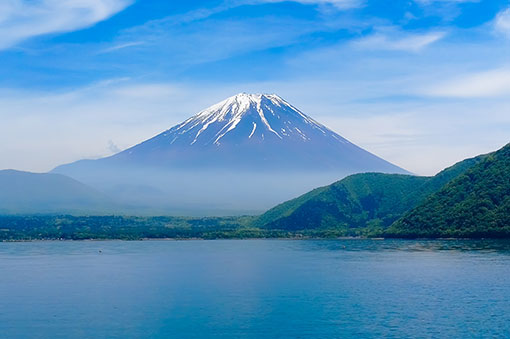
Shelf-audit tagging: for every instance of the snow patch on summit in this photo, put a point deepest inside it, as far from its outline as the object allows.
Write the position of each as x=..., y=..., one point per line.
x=267, y=112
x=253, y=130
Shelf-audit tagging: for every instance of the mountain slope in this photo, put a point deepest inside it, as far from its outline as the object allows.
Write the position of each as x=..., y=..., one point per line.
x=476, y=203
x=351, y=202
x=24, y=192
x=251, y=132
x=361, y=200
x=242, y=155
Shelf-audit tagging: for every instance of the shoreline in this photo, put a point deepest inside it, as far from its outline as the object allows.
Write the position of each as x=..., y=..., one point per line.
x=250, y=239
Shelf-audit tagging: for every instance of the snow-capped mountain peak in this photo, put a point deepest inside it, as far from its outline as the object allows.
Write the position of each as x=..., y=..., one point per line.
x=255, y=132
x=248, y=151
x=248, y=117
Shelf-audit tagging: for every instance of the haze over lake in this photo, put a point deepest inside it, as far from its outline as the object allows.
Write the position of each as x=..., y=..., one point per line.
x=255, y=289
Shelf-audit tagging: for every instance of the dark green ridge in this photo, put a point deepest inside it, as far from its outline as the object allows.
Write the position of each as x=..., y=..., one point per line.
x=360, y=200
x=474, y=204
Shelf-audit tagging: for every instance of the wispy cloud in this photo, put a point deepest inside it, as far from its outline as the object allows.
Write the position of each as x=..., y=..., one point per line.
x=23, y=19
x=120, y=46
x=502, y=22
x=147, y=91
x=490, y=83
x=112, y=147
x=188, y=40
x=398, y=41
x=340, y=4
x=448, y=10
x=428, y=2
x=210, y=34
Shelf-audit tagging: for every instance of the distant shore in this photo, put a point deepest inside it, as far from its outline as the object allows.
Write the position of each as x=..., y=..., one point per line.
x=97, y=228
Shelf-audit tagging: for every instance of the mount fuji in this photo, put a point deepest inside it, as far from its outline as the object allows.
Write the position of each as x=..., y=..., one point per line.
x=244, y=153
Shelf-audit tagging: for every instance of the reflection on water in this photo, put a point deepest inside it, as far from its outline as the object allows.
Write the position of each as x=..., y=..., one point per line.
x=255, y=289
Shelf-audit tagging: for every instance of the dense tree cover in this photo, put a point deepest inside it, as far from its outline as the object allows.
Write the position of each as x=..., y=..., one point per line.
x=474, y=204
x=351, y=202
x=66, y=227
x=114, y=227
x=366, y=200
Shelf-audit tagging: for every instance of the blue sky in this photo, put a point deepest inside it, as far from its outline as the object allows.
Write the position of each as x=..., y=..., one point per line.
x=422, y=83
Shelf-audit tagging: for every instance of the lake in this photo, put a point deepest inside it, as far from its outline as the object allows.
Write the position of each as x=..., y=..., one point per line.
x=255, y=289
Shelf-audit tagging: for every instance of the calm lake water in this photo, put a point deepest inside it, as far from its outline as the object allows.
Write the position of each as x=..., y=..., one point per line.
x=255, y=289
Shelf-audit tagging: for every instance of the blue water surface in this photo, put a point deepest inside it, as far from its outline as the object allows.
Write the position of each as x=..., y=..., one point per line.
x=255, y=289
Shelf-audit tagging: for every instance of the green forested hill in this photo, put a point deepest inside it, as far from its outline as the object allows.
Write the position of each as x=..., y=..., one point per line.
x=352, y=202
x=475, y=204
x=373, y=200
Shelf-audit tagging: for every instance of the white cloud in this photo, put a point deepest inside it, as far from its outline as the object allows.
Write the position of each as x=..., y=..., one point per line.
x=112, y=147
x=490, y=83
x=121, y=46
x=147, y=91
x=448, y=10
x=186, y=40
x=23, y=19
x=502, y=22
x=340, y=4
x=201, y=36
x=398, y=41
x=429, y=2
